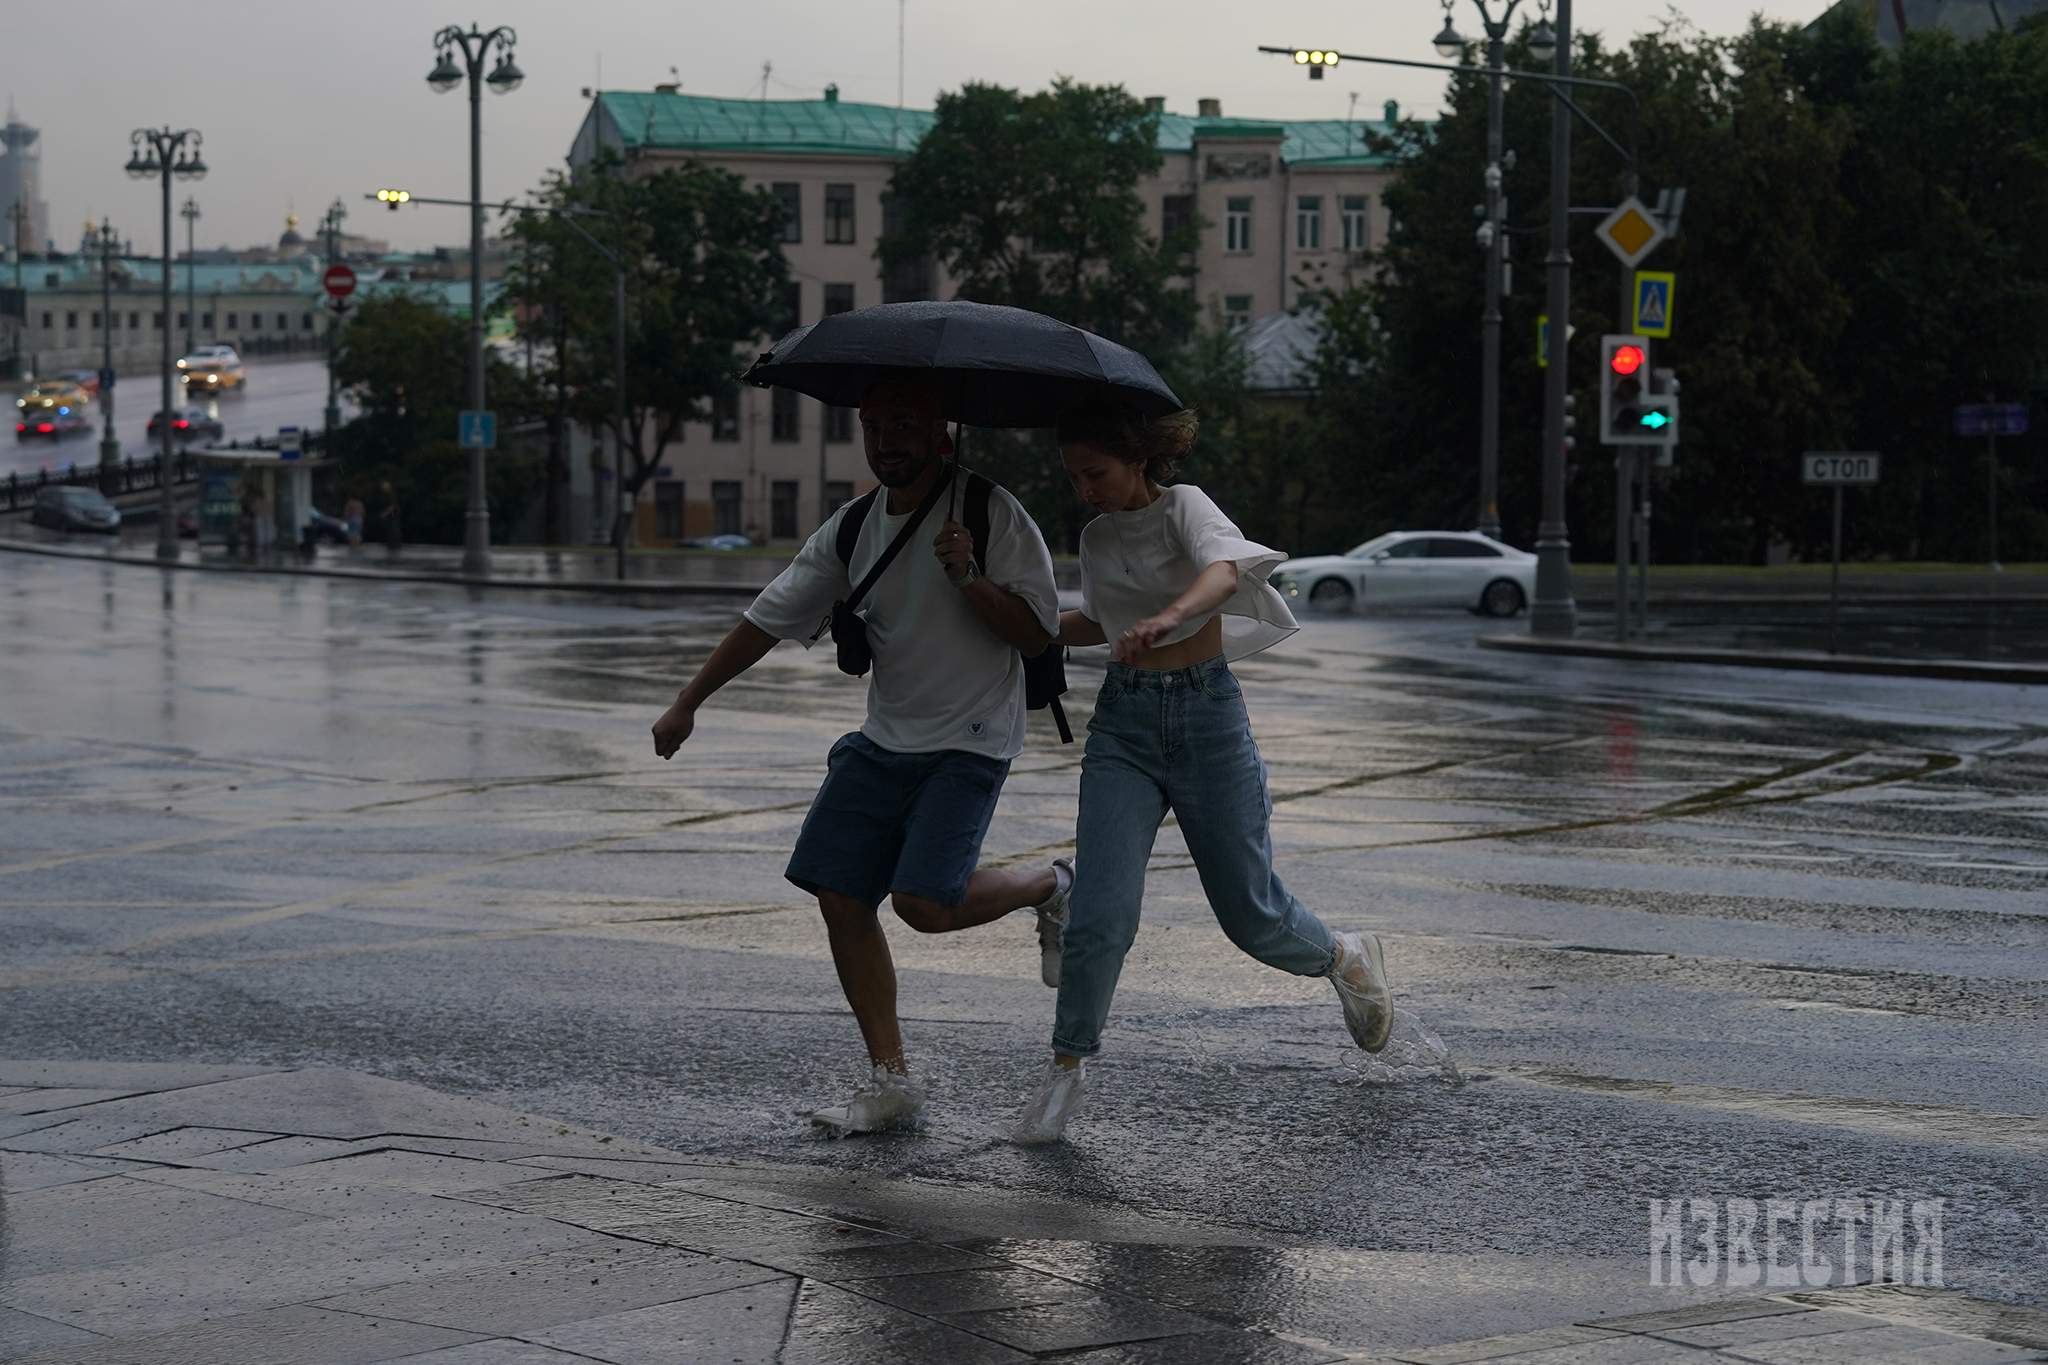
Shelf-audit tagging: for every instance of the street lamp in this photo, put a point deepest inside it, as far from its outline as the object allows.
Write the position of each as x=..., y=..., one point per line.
x=165, y=154
x=190, y=213
x=110, y=444
x=331, y=227
x=504, y=78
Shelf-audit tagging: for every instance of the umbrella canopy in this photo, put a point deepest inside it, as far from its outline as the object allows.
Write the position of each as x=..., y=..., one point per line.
x=995, y=366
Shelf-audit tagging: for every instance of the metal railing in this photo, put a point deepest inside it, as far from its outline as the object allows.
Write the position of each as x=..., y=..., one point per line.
x=18, y=493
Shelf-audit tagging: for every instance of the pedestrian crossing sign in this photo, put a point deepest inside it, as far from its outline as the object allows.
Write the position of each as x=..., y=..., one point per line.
x=1654, y=291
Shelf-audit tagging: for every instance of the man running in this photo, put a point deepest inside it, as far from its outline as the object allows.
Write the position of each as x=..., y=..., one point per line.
x=908, y=797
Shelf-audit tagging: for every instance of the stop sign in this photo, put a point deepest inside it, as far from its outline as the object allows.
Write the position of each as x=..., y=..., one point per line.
x=339, y=281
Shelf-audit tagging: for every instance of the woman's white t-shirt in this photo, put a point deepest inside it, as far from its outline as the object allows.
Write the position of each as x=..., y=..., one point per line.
x=1136, y=564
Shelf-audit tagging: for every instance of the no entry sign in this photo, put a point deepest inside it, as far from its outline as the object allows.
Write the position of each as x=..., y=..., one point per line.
x=339, y=281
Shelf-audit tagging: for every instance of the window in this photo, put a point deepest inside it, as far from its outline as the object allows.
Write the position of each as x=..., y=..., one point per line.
x=783, y=423
x=1443, y=547
x=839, y=214
x=255, y=321
x=905, y=279
x=782, y=510
x=725, y=507
x=284, y=323
x=206, y=321
x=1357, y=234
x=71, y=322
x=95, y=318
x=792, y=306
x=1409, y=549
x=305, y=322
x=156, y=322
x=134, y=322
x=839, y=425
x=725, y=417
x=1237, y=225
x=1237, y=309
x=791, y=197
x=1176, y=214
x=838, y=492
x=668, y=509
x=184, y=319
x=838, y=299
x=1308, y=222
x=49, y=321
x=233, y=324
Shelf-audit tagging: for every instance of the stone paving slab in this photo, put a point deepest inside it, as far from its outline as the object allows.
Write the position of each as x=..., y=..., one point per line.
x=309, y=1218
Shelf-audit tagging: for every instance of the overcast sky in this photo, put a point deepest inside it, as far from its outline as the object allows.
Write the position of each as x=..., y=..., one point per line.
x=303, y=103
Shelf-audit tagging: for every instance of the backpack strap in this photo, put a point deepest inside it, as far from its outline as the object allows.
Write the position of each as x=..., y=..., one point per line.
x=850, y=525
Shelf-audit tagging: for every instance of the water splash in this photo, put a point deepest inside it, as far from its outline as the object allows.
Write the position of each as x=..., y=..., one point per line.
x=1413, y=1054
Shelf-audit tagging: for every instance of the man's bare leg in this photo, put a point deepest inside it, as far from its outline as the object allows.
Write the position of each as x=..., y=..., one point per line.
x=992, y=892
x=860, y=952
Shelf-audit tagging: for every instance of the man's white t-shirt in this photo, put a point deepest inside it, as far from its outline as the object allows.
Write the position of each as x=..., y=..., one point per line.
x=941, y=678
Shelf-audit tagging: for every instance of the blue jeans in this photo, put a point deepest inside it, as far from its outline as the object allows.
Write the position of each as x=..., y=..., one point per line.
x=1174, y=740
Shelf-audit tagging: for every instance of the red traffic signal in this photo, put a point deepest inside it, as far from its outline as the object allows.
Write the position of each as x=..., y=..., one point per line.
x=1626, y=359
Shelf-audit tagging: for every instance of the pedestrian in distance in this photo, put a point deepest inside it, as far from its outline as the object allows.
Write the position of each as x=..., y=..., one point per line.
x=907, y=798
x=1162, y=568
x=390, y=520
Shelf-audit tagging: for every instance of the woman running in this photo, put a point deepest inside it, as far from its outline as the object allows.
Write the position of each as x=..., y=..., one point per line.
x=1161, y=568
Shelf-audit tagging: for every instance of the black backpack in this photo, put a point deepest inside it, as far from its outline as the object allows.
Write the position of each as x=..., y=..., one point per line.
x=1045, y=673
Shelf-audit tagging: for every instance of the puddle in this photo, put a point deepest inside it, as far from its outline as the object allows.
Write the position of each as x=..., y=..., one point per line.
x=1414, y=1054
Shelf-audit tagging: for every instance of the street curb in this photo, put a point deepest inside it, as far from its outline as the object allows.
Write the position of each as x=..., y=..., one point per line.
x=2024, y=597
x=601, y=586
x=1954, y=670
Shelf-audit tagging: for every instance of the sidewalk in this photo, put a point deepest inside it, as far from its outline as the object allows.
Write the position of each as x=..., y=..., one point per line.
x=169, y=1212
x=1797, y=660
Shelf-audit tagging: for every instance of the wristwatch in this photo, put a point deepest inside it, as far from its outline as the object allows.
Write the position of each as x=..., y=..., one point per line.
x=968, y=579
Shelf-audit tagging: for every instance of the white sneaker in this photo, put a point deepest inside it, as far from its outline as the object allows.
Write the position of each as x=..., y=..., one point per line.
x=1360, y=976
x=1058, y=1099
x=887, y=1101
x=1052, y=924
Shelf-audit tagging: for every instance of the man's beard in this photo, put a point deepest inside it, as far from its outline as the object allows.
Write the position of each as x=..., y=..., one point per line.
x=912, y=468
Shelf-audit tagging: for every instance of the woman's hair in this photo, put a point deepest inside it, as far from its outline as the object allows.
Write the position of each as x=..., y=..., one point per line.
x=1157, y=443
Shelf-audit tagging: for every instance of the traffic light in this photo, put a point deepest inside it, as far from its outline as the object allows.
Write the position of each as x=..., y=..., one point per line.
x=1630, y=414
x=393, y=198
x=1571, y=424
x=1315, y=60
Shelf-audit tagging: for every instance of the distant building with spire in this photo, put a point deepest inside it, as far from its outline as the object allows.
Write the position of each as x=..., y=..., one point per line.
x=21, y=183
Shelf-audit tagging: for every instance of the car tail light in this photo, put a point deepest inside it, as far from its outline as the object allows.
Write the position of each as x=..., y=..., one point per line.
x=46, y=427
x=181, y=424
x=20, y=427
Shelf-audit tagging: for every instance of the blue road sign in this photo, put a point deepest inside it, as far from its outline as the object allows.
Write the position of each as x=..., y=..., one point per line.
x=288, y=444
x=1991, y=419
x=478, y=431
x=107, y=379
x=1655, y=292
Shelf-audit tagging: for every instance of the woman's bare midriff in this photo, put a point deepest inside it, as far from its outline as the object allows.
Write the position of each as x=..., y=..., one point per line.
x=1204, y=645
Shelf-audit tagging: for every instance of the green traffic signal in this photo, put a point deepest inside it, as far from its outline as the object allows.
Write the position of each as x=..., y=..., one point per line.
x=1655, y=421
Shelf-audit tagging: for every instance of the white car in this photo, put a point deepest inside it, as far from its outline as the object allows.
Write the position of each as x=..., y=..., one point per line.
x=1416, y=569
x=212, y=369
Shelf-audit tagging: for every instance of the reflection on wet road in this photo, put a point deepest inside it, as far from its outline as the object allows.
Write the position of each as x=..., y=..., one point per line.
x=1683, y=931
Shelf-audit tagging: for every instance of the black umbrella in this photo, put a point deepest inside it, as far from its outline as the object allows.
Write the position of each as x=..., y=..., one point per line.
x=997, y=367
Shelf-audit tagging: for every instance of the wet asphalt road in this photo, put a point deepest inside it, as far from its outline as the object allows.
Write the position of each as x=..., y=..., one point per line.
x=1684, y=931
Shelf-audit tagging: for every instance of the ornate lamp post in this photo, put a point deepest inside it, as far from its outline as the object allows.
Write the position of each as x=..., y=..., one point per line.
x=164, y=153
x=504, y=78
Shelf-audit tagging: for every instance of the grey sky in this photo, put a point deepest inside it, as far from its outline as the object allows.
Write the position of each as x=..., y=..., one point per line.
x=303, y=103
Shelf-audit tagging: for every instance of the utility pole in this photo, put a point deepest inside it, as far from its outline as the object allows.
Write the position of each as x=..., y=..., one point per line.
x=331, y=227
x=1554, y=612
x=161, y=154
x=110, y=444
x=190, y=213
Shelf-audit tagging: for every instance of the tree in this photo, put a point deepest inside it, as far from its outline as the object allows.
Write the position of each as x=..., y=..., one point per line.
x=705, y=277
x=404, y=359
x=1031, y=201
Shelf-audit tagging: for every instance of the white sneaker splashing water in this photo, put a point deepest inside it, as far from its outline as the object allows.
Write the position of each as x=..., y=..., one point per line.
x=1413, y=1054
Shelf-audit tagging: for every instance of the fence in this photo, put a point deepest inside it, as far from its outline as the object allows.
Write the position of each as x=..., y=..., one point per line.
x=129, y=476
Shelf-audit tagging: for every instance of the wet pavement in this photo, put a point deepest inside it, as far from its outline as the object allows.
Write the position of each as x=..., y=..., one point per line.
x=1684, y=932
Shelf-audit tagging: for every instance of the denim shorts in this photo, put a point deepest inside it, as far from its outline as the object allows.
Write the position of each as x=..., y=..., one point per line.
x=887, y=822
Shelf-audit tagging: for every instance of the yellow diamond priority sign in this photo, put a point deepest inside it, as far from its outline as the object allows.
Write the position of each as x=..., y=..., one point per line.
x=1630, y=232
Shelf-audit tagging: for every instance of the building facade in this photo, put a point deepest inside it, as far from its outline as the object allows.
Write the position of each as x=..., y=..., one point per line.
x=1286, y=206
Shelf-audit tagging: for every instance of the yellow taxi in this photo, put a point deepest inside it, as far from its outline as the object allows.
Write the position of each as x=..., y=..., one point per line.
x=212, y=369
x=49, y=395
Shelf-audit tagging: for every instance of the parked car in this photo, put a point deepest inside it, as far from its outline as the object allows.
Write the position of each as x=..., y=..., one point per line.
x=188, y=424
x=1416, y=569
x=320, y=526
x=212, y=369
x=720, y=542
x=68, y=508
